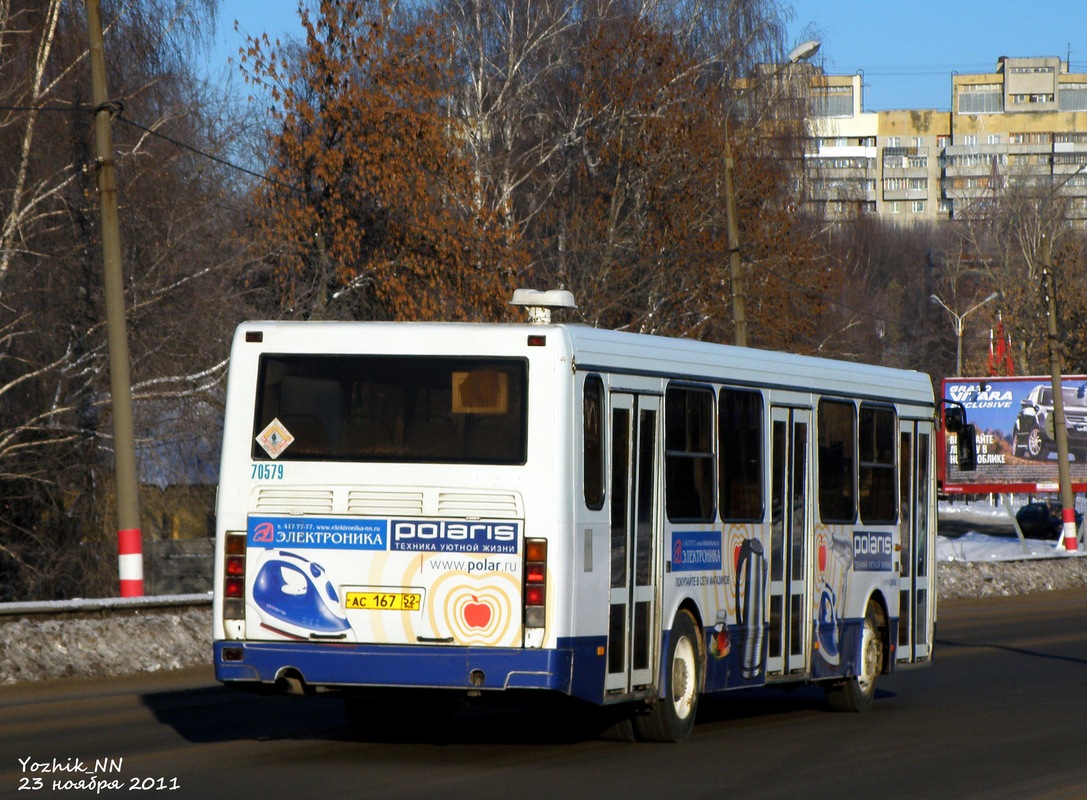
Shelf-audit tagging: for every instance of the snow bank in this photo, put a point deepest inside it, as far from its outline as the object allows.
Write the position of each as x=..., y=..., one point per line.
x=38, y=649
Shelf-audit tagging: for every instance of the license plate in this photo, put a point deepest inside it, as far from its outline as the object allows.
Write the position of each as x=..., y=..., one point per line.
x=383, y=601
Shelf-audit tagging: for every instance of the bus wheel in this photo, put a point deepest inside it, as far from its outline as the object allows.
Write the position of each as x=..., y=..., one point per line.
x=671, y=718
x=856, y=693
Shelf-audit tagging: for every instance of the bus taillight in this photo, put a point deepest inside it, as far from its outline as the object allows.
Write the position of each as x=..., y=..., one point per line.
x=535, y=582
x=234, y=577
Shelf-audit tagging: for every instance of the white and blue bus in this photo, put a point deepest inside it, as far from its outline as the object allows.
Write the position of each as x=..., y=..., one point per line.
x=414, y=510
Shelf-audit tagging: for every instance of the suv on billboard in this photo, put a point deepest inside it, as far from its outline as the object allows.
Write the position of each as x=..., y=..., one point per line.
x=1033, y=433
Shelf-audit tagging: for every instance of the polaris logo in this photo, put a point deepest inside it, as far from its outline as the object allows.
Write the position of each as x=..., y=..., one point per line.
x=447, y=536
x=872, y=551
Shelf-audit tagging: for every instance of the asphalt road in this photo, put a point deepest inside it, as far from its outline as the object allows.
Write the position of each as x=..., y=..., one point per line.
x=1002, y=714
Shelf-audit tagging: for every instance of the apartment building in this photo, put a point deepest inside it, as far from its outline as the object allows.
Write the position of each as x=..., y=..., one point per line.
x=841, y=160
x=1024, y=124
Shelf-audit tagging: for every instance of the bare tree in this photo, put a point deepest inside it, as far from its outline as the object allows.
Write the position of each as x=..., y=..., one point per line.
x=509, y=54
x=595, y=130
x=181, y=255
x=1003, y=235
x=883, y=276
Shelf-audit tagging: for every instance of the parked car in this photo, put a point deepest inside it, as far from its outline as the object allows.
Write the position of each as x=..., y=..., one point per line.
x=1042, y=521
x=1033, y=433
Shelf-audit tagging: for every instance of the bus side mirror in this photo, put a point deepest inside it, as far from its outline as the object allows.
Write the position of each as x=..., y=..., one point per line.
x=954, y=418
x=968, y=448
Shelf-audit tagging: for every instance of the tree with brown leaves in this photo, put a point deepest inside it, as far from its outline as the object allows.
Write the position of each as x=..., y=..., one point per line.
x=371, y=200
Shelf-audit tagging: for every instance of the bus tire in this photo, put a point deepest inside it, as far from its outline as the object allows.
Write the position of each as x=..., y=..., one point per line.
x=856, y=694
x=671, y=718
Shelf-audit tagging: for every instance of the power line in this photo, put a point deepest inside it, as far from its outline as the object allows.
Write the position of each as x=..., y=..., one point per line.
x=197, y=151
x=160, y=135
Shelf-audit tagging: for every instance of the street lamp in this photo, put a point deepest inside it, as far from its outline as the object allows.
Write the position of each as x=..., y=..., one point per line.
x=959, y=321
x=804, y=51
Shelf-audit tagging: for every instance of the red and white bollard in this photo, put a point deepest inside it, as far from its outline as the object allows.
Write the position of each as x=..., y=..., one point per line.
x=130, y=562
x=1068, y=536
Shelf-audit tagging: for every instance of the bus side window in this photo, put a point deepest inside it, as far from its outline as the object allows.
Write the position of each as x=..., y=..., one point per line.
x=593, y=442
x=878, y=465
x=740, y=443
x=837, y=461
x=689, y=456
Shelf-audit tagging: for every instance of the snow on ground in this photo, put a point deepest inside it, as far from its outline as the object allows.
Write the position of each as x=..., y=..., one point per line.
x=976, y=546
x=985, y=557
x=39, y=647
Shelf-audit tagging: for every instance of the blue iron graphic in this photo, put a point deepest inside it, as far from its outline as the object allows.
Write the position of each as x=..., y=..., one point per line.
x=294, y=597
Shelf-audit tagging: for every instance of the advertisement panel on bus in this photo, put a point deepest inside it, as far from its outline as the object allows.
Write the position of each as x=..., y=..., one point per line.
x=1016, y=438
x=398, y=581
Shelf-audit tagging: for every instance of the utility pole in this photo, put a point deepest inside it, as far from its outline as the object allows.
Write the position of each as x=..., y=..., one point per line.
x=800, y=53
x=1060, y=431
x=732, y=224
x=129, y=540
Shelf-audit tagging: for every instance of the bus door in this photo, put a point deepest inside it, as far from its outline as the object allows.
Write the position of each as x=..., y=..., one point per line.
x=916, y=525
x=633, y=632
x=789, y=633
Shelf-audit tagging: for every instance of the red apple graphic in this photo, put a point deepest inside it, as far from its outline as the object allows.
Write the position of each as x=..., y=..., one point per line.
x=477, y=614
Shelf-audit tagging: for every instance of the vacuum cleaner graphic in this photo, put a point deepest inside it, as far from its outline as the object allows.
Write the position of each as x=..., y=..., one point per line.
x=293, y=597
x=828, y=627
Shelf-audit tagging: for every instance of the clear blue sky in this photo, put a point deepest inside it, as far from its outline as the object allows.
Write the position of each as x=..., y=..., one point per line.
x=906, y=51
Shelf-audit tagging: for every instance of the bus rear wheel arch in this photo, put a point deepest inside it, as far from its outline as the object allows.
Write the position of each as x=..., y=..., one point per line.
x=856, y=694
x=671, y=718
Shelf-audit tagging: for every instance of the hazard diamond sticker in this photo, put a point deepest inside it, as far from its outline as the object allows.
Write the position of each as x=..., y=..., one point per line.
x=275, y=438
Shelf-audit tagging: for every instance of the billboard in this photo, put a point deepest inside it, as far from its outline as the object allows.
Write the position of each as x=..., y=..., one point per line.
x=1017, y=449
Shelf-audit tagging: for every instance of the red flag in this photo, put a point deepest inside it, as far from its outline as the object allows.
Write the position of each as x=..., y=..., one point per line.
x=1000, y=350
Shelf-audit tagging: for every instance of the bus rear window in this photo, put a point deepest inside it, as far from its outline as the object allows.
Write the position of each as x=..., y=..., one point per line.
x=395, y=409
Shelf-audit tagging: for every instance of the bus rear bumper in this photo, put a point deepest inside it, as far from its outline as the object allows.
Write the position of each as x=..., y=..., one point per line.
x=421, y=666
